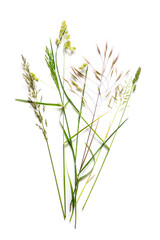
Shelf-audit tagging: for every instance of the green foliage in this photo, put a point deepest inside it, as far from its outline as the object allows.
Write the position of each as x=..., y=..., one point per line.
x=49, y=57
x=137, y=75
x=136, y=78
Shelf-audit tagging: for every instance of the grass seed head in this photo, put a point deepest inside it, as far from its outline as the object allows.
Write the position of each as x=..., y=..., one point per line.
x=30, y=79
x=99, y=52
x=136, y=75
x=110, y=53
x=105, y=51
x=64, y=35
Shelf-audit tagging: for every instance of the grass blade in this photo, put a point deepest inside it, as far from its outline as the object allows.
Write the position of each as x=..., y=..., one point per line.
x=54, y=172
x=72, y=192
x=40, y=103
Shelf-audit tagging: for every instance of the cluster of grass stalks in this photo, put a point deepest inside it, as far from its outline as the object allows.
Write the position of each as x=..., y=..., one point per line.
x=93, y=96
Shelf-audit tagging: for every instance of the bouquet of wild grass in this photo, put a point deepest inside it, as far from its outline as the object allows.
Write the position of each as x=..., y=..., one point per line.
x=92, y=103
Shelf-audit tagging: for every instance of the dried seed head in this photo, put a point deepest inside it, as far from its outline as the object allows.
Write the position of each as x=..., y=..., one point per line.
x=105, y=52
x=112, y=72
x=127, y=73
x=98, y=73
x=108, y=94
x=99, y=52
x=116, y=91
x=110, y=53
x=86, y=60
x=119, y=77
x=68, y=83
x=97, y=77
x=78, y=73
x=106, y=47
x=114, y=61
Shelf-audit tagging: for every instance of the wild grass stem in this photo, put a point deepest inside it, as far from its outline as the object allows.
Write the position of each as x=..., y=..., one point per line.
x=64, y=167
x=64, y=214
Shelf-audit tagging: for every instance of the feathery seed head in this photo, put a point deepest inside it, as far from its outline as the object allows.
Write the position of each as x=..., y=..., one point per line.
x=30, y=79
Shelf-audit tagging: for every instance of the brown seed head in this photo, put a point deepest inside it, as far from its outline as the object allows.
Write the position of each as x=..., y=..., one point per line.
x=114, y=61
x=99, y=52
x=105, y=50
x=110, y=53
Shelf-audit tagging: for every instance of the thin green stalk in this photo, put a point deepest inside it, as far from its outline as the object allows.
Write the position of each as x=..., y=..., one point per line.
x=65, y=117
x=89, y=176
x=96, y=104
x=79, y=118
x=80, y=111
x=108, y=151
x=55, y=179
x=64, y=171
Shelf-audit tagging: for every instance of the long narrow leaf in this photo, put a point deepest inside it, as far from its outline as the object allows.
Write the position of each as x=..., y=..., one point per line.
x=49, y=57
x=87, y=174
x=72, y=192
x=40, y=103
x=67, y=138
x=73, y=201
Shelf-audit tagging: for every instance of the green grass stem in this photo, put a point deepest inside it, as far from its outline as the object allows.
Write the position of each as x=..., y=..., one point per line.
x=64, y=170
x=64, y=215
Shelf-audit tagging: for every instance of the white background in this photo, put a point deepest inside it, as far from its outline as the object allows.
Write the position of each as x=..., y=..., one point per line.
x=126, y=200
